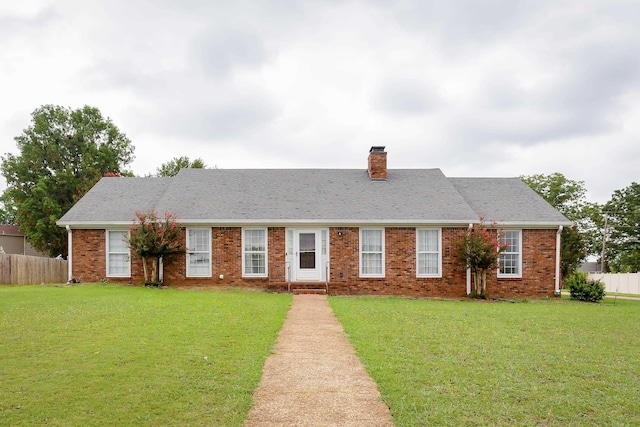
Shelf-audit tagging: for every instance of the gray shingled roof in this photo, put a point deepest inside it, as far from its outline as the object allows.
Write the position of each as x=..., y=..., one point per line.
x=507, y=200
x=116, y=199
x=323, y=196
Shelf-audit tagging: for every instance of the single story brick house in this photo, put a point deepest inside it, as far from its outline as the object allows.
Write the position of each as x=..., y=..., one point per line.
x=348, y=231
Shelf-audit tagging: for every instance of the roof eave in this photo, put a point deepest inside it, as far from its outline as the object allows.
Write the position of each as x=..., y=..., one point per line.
x=318, y=222
x=534, y=224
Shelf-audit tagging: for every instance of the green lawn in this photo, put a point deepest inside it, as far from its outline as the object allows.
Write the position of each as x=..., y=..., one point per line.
x=483, y=363
x=113, y=355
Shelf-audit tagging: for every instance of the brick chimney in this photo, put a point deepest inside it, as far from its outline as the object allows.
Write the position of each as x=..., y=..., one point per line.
x=377, y=164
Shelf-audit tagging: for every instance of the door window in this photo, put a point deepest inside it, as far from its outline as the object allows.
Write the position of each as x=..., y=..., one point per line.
x=307, y=250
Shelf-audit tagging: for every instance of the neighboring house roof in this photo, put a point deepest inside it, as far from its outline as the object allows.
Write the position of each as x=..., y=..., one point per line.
x=590, y=267
x=10, y=230
x=327, y=196
x=14, y=241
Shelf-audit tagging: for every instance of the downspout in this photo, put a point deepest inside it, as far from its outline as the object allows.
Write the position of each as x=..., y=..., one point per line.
x=558, y=258
x=70, y=251
x=469, y=272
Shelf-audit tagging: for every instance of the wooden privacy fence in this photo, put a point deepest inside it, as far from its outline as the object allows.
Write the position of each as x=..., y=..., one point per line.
x=626, y=283
x=26, y=270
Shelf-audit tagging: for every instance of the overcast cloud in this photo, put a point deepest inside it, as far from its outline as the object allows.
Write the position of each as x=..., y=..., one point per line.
x=491, y=88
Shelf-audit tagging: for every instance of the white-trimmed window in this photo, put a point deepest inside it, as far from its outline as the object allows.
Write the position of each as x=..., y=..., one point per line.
x=198, y=252
x=372, y=252
x=118, y=257
x=511, y=258
x=254, y=252
x=428, y=252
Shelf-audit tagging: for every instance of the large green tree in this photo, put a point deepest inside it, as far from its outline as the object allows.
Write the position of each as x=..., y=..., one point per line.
x=569, y=197
x=62, y=154
x=173, y=166
x=623, y=243
x=7, y=212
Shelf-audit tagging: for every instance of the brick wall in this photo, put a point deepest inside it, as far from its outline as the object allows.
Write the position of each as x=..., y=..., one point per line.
x=400, y=266
x=89, y=259
x=538, y=264
x=226, y=254
x=538, y=268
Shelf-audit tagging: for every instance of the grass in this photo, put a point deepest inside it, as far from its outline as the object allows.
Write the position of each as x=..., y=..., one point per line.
x=482, y=363
x=113, y=355
x=608, y=294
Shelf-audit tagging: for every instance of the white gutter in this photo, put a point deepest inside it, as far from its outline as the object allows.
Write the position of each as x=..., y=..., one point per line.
x=469, y=272
x=275, y=222
x=324, y=222
x=558, y=258
x=70, y=251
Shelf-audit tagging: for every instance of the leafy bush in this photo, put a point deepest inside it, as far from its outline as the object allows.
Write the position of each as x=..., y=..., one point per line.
x=583, y=289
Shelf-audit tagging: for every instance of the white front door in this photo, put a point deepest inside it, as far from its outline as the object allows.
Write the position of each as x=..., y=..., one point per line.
x=307, y=256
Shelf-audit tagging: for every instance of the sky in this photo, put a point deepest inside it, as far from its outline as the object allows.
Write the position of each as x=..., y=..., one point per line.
x=475, y=88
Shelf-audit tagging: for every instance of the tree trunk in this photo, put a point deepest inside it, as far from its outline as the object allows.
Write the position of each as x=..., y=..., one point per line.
x=146, y=270
x=476, y=281
x=154, y=270
x=480, y=282
x=484, y=282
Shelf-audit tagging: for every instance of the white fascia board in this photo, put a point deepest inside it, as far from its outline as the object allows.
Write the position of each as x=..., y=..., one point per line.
x=272, y=222
x=324, y=222
x=94, y=224
x=317, y=222
x=533, y=224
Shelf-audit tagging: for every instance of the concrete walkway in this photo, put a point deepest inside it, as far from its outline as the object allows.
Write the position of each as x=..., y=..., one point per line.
x=314, y=377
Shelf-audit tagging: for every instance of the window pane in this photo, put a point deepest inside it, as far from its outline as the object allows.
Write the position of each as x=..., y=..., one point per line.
x=307, y=242
x=428, y=240
x=117, y=242
x=254, y=240
x=199, y=264
x=307, y=260
x=509, y=264
x=289, y=241
x=371, y=240
x=324, y=242
x=199, y=240
x=254, y=263
x=427, y=263
x=371, y=263
x=512, y=238
x=118, y=265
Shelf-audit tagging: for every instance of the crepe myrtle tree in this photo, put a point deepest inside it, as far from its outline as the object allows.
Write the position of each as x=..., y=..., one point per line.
x=153, y=238
x=479, y=249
